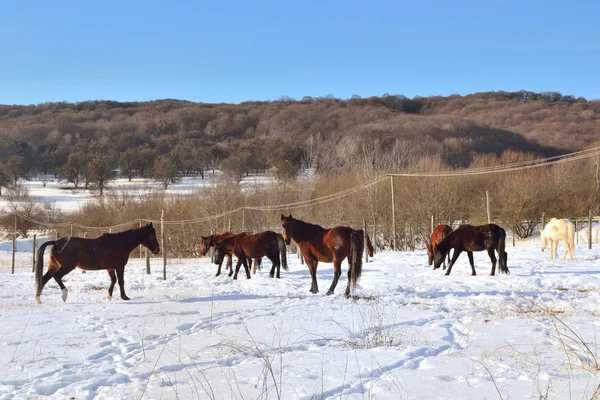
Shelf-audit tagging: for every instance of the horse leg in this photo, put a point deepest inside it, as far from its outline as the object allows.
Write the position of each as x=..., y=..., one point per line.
x=470, y=255
x=337, y=271
x=276, y=264
x=219, y=268
x=53, y=267
x=58, y=278
x=113, y=281
x=230, y=264
x=120, y=270
x=455, y=255
x=245, y=262
x=493, y=258
x=312, y=268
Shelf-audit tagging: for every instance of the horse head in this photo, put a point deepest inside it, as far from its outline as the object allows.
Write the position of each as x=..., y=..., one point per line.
x=429, y=252
x=287, y=223
x=204, y=245
x=438, y=257
x=149, y=240
x=219, y=253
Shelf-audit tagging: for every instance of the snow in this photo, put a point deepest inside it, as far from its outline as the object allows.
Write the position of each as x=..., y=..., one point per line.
x=411, y=333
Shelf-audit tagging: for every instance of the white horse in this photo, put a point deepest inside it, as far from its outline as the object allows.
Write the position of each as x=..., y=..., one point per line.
x=554, y=232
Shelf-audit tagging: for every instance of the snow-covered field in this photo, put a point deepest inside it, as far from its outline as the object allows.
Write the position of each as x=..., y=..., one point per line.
x=64, y=197
x=413, y=333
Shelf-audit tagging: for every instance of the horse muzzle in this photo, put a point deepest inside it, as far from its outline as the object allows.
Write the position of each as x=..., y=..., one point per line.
x=156, y=251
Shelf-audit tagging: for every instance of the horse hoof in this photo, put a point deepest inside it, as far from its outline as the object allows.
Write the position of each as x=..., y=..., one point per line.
x=329, y=293
x=108, y=297
x=218, y=274
x=65, y=293
x=37, y=299
x=125, y=298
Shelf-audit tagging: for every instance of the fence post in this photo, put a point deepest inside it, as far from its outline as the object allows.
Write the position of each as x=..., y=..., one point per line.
x=365, y=241
x=147, y=261
x=164, y=249
x=229, y=225
x=243, y=220
x=34, y=249
x=432, y=224
x=393, y=215
x=543, y=220
x=576, y=232
x=140, y=246
x=14, y=245
x=374, y=239
x=212, y=250
x=514, y=238
x=590, y=230
x=487, y=202
x=71, y=229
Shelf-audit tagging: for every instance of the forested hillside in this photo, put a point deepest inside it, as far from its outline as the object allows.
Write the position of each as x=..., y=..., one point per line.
x=86, y=143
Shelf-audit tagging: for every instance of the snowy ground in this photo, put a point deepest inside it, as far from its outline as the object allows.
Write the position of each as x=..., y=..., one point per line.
x=413, y=333
x=64, y=197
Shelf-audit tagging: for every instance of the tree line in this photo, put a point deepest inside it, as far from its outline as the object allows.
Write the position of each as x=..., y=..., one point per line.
x=88, y=143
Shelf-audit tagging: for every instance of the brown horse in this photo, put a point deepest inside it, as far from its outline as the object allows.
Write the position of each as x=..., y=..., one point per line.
x=473, y=238
x=263, y=244
x=327, y=245
x=369, y=245
x=110, y=252
x=438, y=234
x=206, y=242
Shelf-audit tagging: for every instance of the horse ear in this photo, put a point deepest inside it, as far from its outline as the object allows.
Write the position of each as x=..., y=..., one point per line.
x=290, y=217
x=282, y=217
x=150, y=224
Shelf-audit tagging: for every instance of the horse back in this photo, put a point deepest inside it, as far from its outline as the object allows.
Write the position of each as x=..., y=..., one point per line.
x=257, y=245
x=104, y=252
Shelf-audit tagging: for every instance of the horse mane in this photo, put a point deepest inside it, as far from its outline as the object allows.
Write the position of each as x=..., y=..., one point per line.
x=307, y=229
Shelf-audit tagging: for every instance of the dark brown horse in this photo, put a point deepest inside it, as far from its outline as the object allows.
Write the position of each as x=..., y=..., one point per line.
x=110, y=252
x=473, y=238
x=244, y=246
x=206, y=242
x=327, y=245
x=369, y=245
x=438, y=234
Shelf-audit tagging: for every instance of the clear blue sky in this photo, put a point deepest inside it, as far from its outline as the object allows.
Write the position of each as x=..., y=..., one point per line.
x=222, y=51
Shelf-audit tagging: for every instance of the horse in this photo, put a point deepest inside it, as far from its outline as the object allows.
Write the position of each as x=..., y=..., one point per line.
x=327, y=245
x=473, y=238
x=369, y=244
x=555, y=231
x=206, y=242
x=110, y=252
x=438, y=234
x=263, y=244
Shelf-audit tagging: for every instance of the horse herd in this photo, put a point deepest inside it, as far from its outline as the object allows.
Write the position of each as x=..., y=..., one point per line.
x=317, y=244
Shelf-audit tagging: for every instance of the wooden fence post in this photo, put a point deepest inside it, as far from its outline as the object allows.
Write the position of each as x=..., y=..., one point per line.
x=543, y=220
x=212, y=250
x=393, y=215
x=34, y=250
x=147, y=261
x=140, y=246
x=432, y=224
x=374, y=238
x=71, y=229
x=590, y=230
x=487, y=202
x=229, y=225
x=164, y=249
x=365, y=241
x=514, y=238
x=14, y=244
x=243, y=220
x=576, y=232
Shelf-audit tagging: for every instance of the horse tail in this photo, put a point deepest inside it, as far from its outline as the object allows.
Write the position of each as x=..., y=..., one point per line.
x=502, y=256
x=356, y=250
x=59, y=245
x=282, y=251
